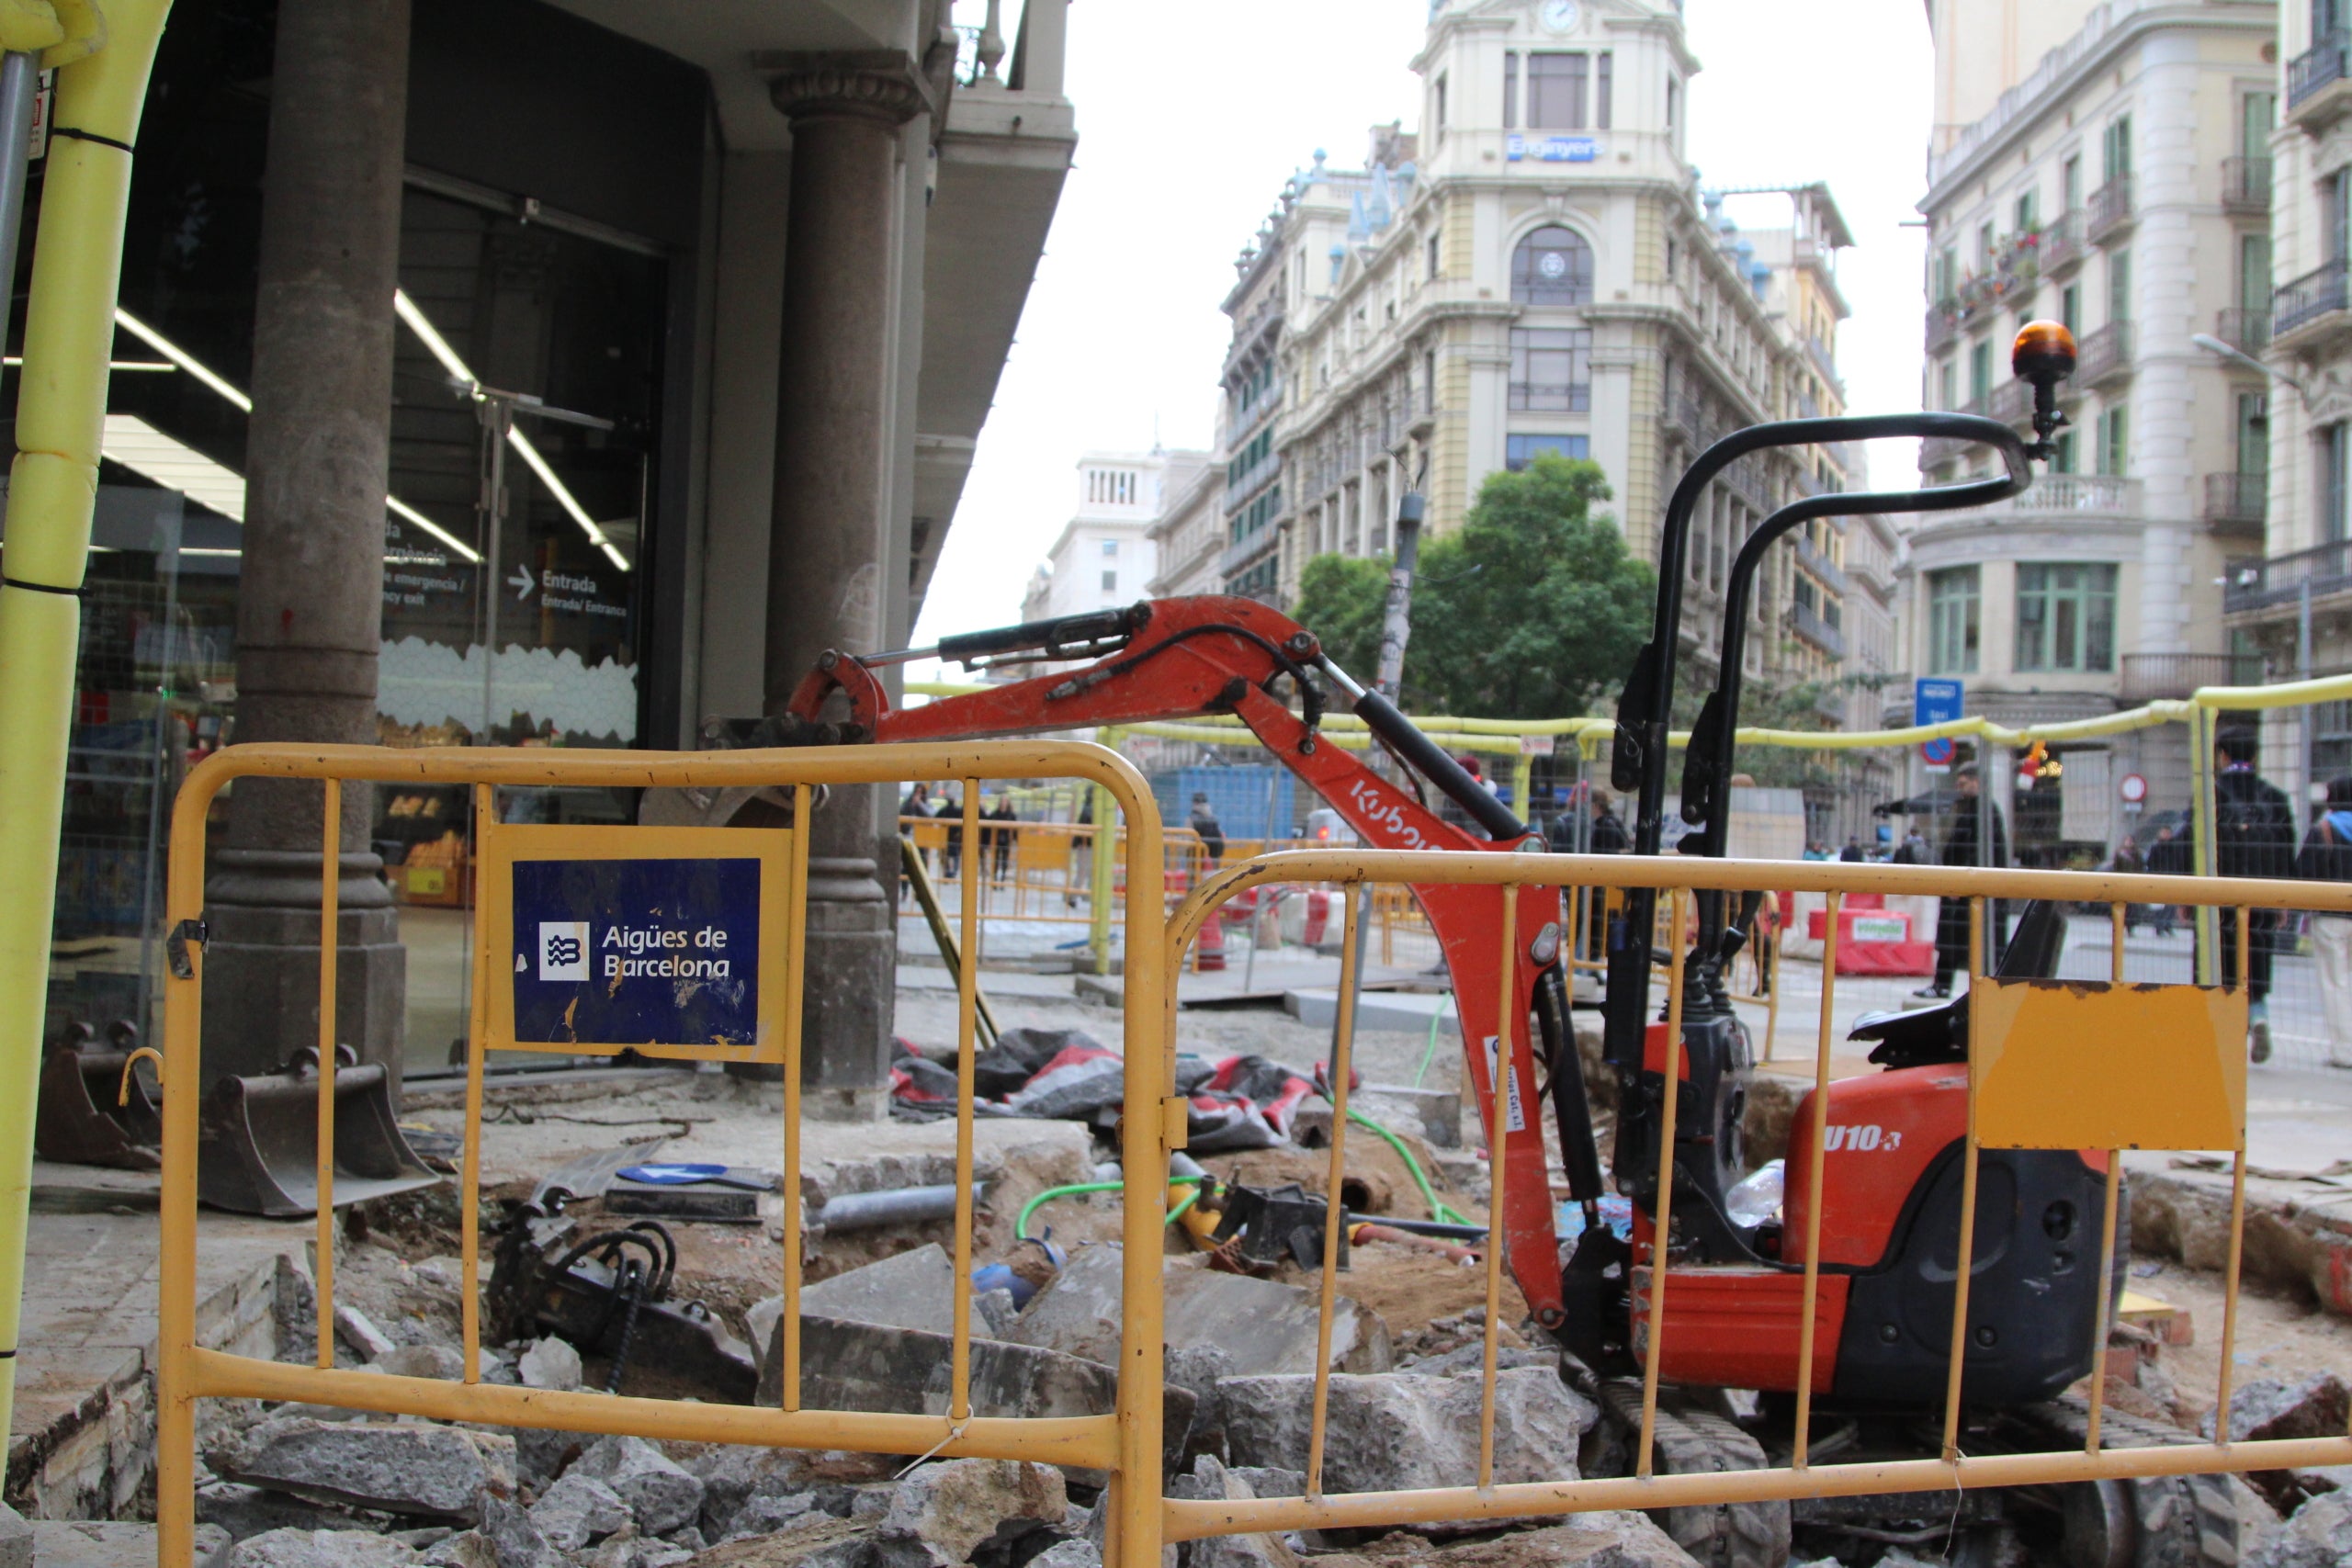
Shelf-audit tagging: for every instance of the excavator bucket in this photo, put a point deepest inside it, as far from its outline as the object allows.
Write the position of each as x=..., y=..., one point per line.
x=88, y=1114
x=257, y=1152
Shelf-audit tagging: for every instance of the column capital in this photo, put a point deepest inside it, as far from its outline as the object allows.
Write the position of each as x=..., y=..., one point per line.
x=882, y=83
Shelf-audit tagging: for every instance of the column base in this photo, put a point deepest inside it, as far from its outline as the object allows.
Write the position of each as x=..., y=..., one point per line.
x=847, y=995
x=260, y=963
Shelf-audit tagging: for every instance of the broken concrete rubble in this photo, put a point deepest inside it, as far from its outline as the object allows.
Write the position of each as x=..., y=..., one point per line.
x=2264, y=1409
x=967, y=1511
x=2318, y=1536
x=321, y=1549
x=578, y=1511
x=856, y=1366
x=817, y=1542
x=549, y=1363
x=1578, y=1541
x=655, y=1488
x=1397, y=1431
x=1264, y=1327
x=395, y=1468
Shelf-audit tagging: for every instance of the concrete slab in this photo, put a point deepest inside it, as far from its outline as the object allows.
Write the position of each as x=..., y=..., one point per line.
x=993, y=982
x=1264, y=1327
x=81, y=1444
x=1410, y=1012
x=94, y=1543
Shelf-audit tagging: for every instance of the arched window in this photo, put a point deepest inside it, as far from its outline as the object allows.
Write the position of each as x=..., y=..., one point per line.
x=1552, y=267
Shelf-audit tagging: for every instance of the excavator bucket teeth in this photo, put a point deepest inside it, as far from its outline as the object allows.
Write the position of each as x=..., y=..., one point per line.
x=258, y=1149
x=79, y=1121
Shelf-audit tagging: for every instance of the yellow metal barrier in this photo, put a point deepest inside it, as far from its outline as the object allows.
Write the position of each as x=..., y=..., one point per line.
x=1125, y=1442
x=2043, y=1060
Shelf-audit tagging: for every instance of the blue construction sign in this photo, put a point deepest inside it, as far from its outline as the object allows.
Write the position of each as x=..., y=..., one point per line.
x=1935, y=700
x=666, y=941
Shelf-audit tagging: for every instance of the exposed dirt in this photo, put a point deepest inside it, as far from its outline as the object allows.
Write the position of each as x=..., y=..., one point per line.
x=2278, y=1336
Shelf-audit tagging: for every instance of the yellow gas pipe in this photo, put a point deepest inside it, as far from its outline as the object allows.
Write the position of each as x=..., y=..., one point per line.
x=52, y=488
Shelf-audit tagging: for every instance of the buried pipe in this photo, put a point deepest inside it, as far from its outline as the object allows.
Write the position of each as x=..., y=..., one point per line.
x=897, y=1206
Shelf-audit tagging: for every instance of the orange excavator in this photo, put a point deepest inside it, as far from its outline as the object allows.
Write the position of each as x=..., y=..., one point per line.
x=1889, y=1199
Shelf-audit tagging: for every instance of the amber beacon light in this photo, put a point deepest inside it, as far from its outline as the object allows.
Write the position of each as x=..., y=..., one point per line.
x=2044, y=355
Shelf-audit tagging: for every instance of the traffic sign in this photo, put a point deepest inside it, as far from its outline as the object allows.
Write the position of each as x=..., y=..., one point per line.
x=665, y=940
x=1935, y=700
x=2134, y=790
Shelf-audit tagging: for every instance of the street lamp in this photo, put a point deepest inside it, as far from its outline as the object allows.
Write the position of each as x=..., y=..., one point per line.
x=2212, y=344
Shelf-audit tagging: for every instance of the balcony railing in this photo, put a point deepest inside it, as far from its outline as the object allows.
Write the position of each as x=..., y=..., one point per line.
x=2109, y=209
x=2237, y=501
x=2246, y=330
x=2259, y=584
x=2061, y=243
x=2013, y=402
x=2069, y=495
x=2104, y=355
x=2169, y=677
x=1943, y=324
x=1823, y=360
x=1746, y=480
x=1821, y=566
x=2246, y=185
x=1808, y=625
x=1556, y=397
x=1252, y=479
x=2317, y=66
x=2309, y=297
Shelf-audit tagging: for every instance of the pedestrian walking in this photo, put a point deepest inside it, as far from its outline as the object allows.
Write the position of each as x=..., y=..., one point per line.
x=1853, y=853
x=1204, y=824
x=2128, y=861
x=2168, y=856
x=2326, y=856
x=2254, y=836
x=1004, y=837
x=1963, y=838
x=950, y=805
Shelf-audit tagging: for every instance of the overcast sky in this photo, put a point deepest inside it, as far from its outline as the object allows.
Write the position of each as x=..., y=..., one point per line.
x=1190, y=117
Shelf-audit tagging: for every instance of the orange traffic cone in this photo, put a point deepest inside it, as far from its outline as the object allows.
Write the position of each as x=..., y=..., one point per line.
x=1211, y=952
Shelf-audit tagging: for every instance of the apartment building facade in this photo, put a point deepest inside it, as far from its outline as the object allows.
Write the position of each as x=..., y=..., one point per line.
x=1105, y=556
x=1536, y=271
x=2118, y=186
x=2291, y=596
x=1188, y=537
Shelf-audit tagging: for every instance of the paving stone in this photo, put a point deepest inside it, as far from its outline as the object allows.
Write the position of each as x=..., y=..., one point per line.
x=321, y=1549
x=396, y=1468
x=943, y=1512
x=577, y=1511
x=1396, y=1431
x=658, y=1491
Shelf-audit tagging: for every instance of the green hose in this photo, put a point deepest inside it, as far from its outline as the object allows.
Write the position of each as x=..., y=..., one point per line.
x=1430, y=1055
x=1020, y=1224
x=1438, y=1210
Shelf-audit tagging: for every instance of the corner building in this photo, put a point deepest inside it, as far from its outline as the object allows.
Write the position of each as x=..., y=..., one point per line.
x=1537, y=270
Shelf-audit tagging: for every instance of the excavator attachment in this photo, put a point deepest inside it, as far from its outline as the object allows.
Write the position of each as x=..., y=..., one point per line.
x=91, y=1113
x=258, y=1150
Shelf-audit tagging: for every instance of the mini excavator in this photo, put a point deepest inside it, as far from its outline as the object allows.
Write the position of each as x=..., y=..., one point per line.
x=1890, y=1192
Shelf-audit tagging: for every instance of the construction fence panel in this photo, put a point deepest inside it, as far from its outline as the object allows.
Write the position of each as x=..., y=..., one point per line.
x=2043, y=1058
x=761, y=877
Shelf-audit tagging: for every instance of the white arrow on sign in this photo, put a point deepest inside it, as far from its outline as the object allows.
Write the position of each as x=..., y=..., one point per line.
x=523, y=582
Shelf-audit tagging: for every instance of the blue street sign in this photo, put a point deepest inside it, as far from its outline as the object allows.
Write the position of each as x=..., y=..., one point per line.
x=1934, y=701
x=637, y=952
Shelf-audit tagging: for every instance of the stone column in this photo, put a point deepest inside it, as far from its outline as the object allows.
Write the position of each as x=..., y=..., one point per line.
x=310, y=601
x=826, y=553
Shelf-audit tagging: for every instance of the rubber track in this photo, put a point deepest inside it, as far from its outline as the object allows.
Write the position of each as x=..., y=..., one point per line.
x=2184, y=1521
x=1692, y=1441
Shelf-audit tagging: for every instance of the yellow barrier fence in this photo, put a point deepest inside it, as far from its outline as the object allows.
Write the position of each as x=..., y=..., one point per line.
x=1125, y=1441
x=2082, y=1065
